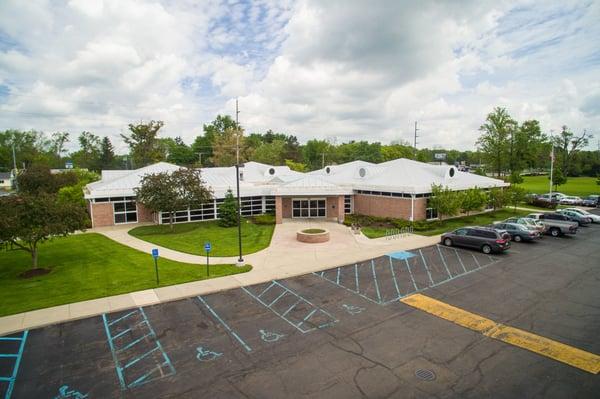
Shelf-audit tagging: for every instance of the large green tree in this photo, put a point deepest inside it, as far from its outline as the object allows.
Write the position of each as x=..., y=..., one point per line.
x=26, y=220
x=107, y=154
x=173, y=191
x=144, y=144
x=447, y=202
x=272, y=153
x=568, y=145
x=497, y=140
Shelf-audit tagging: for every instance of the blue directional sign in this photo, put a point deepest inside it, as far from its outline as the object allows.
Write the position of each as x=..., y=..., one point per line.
x=155, y=253
x=207, y=246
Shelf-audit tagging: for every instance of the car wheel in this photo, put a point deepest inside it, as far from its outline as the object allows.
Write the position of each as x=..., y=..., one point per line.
x=447, y=242
x=555, y=232
x=486, y=249
x=518, y=238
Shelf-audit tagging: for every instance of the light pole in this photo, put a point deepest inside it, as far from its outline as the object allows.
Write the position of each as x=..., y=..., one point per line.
x=551, y=161
x=240, y=261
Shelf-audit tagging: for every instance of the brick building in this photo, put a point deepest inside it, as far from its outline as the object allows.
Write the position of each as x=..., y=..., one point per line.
x=398, y=188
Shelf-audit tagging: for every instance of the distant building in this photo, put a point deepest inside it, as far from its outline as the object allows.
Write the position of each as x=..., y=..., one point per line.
x=398, y=188
x=6, y=181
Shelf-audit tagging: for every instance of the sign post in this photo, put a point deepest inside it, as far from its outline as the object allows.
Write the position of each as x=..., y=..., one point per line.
x=207, y=248
x=155, y=256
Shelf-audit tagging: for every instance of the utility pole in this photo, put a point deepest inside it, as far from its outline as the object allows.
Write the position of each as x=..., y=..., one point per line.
x=15, y=167
x=237, y=134
x=322, y=160
x=200, y=156
x=415, y=149
x=551, y=160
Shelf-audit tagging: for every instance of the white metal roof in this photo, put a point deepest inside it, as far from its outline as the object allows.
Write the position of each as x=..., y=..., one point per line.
x=400, y=175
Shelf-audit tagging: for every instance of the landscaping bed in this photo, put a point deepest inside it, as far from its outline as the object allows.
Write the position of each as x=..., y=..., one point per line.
x=88, y=266
x=190, y=237
x=374, y=227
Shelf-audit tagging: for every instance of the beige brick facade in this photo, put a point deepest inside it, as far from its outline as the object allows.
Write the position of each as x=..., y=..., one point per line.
x=373, y=205
x=102, y=214
x=334, y=208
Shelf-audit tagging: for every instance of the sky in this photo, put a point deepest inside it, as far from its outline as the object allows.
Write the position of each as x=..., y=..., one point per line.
x=338, y=69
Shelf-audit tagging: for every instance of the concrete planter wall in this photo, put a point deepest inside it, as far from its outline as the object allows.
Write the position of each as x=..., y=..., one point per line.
x=312, y=238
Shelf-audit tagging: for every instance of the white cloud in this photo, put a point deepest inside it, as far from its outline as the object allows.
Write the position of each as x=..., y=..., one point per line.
x=345, y=69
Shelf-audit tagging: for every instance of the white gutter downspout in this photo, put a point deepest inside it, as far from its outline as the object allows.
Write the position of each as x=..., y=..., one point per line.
x=412, y=207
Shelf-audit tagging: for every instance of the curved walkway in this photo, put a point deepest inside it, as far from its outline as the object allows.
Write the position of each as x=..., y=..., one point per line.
x=284, y=258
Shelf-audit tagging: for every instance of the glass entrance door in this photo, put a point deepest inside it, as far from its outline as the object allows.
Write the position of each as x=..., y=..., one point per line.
x=309, y=208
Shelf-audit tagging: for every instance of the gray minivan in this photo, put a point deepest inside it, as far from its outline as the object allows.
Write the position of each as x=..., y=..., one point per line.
x=485, y=239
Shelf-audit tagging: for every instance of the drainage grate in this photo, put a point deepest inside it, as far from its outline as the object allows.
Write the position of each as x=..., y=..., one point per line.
x=425, y=375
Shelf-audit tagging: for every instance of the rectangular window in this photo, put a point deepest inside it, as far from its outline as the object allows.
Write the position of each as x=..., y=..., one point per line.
x=347, y=204
x=125, y=211
x=309, y=208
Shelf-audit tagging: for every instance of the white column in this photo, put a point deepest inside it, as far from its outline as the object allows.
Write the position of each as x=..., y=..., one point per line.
x=412, y=207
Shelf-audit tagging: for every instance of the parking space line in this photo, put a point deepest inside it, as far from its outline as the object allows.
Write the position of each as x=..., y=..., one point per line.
x=17, y=356
x=375, y=279
x=476, y=261
x=411, y=275
x=523, y=339
x=394, y=276
x=426, y=268
x=444, y=261
x=355, y=275
x=116, y=351
x=284, y=315
x=460, y=259
x=225, y=325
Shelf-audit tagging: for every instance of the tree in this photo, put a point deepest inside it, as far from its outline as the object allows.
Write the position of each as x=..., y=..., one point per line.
x=445, y=201
x=27, y=220
x=558, y=178
x=472, y=199
x=57, y=145
x=173, y=191
x=270, y=153
x=228, y=211
x=496, y=198
x=107, y=153
x=315, y=151
x=225, y=148
x=38, y=179
x=178, y=152
x=568, y=145
x=74, y=193
x=496, y=140
x=395, y=151
x=515, y=195
x=515, y=178
x=143, y=143
x=529, y=147
x=88, y=155
x=296, y=166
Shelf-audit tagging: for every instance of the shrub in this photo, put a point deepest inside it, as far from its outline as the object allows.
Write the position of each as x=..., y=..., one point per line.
x=264, y=219
x=228, y=211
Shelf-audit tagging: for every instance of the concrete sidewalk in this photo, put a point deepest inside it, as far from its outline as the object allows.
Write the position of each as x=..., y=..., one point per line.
x=285, y=257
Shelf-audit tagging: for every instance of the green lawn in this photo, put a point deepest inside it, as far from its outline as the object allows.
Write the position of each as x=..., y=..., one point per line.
x=439, y=227
x=88, y=266
x=190, y=237
x=579, y=186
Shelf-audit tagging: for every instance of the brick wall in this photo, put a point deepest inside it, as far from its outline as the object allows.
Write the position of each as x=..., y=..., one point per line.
x=278, y=210
x=144, y=214
x=286, y=208
x=389, y=206
x=102, y=214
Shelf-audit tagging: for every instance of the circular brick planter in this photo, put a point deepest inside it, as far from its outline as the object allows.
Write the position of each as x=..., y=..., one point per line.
x=312, y=236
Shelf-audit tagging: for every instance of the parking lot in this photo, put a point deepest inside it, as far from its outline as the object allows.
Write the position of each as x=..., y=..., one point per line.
x=340, y=333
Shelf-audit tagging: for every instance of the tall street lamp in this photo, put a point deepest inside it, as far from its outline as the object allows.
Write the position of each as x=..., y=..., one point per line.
x=240, y=261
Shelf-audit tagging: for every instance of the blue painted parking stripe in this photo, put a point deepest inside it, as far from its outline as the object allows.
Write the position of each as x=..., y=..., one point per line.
x=338, y=275
x=292, y=307
x=411, y=275
x=394, y=276
x=444, y=261
x=233, y=333
x=8, y=355
x=426, y=268
x=150, y=335
x=266, y=289
x=123, y=317
x=460, y=260
x=356, y=276
x=284, y=316
x=375, y=279
x=18, y=356
x=129, y=329
x=278, y=298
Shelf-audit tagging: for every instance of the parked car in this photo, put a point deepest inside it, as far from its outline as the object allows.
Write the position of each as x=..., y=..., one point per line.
x=518, y=232
x=595, y=218
x=556, y=224
x=484, y=239
x=571, y=200
x=577, y=217
x=538, y=225
x=591, y=200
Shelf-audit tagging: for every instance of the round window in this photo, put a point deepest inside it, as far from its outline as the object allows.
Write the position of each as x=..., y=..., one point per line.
x=452, y=171
x=328, y=170
x=272, y=171
x=362, y=172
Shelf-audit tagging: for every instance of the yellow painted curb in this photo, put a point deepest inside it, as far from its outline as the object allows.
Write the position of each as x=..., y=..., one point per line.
x=523, y=339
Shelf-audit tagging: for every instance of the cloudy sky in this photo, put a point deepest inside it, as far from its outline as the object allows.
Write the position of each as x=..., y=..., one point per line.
x=337, y=69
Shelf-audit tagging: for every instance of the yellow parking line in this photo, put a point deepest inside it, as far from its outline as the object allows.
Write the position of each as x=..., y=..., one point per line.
x=514, y=336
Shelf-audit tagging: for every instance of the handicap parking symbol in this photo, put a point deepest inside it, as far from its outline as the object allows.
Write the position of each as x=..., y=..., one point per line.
x=353, y=309
x=64, y=392
x=205, y=355
x=268, y=336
